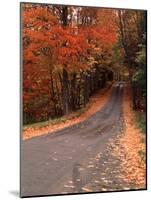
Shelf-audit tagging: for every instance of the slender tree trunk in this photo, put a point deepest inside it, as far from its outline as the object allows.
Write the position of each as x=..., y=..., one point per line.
x=59, y=108
x=53, y=95
x=92, y=83
x=86, y=92
x=50, y=89
x=61, y=84
x=73, y=92
x=65, y=90
x=65, y=82
x=79, y=91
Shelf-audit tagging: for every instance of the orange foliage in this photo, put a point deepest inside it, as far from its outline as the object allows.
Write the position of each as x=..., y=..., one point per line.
x=46, y=44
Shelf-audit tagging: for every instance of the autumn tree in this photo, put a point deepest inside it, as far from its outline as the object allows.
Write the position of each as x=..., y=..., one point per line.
x=71, y=52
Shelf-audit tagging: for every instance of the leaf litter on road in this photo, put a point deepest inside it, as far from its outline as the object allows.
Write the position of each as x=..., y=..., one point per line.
x=128, y=147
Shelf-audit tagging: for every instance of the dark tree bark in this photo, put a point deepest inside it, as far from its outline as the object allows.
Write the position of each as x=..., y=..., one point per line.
x=59, y=107
x=53, y=95
x=73, y=91
x=65, y=91
x=86, y=89
x=65, y=82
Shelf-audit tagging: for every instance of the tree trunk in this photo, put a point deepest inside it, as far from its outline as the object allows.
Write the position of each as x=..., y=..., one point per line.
x=65, y=91
x=59, y=108
x=73, y=92
x=65, y=82
x=53, y=95
x=86, y=90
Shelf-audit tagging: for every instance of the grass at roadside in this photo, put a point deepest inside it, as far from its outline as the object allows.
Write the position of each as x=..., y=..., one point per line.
x=57, y=120
x=141, y=124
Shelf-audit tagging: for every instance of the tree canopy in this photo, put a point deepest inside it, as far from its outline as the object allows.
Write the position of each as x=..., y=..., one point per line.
x=71, y=52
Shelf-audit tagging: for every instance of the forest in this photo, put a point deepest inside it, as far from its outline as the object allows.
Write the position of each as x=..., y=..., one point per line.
x=69, y=53
x=84, y=91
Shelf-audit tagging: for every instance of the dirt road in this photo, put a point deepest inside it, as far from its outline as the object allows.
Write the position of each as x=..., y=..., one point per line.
x=78, y=158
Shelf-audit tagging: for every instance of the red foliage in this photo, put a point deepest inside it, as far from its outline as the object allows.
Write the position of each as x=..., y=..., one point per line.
x=47, y=45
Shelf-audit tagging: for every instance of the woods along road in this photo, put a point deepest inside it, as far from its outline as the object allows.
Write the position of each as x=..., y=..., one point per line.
x=78, y=158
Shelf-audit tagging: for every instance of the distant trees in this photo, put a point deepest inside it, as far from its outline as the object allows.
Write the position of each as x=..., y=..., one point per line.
x=140, y=77
x=132, y=26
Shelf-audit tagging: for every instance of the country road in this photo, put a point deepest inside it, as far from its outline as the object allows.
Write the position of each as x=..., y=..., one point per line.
x=78, y=158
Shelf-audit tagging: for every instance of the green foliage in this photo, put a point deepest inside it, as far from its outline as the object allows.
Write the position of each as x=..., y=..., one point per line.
x=139, y=77
x=56, y=120
x=141, y=121
x=141, y=56
x=45, y=123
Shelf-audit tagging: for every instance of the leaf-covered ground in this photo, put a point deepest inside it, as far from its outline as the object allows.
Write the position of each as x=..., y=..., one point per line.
x=130, y=145
x=96, y=102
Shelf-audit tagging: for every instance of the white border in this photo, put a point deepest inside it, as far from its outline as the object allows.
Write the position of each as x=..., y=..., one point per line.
x=9, y=96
